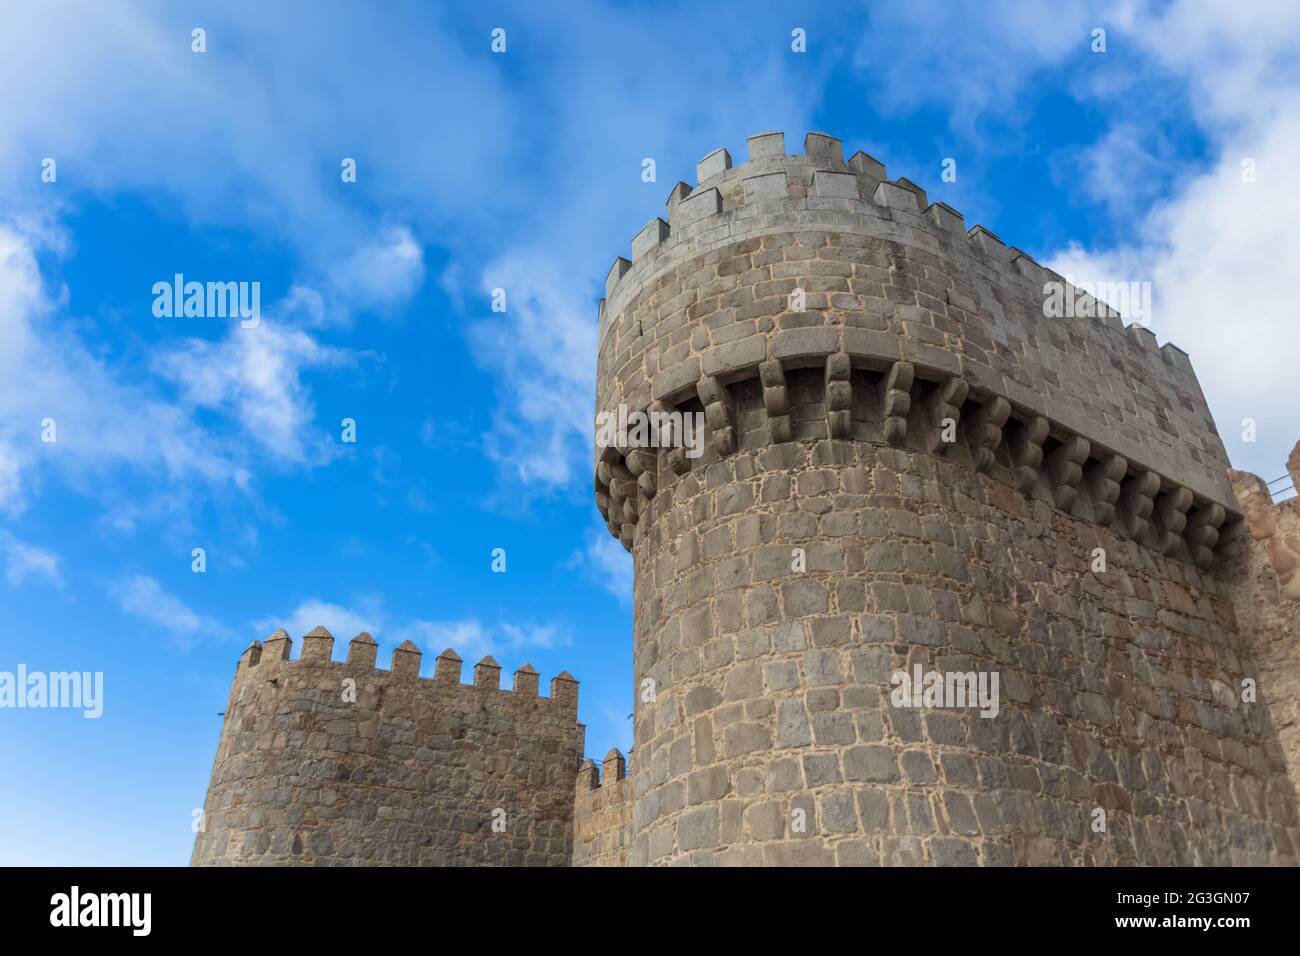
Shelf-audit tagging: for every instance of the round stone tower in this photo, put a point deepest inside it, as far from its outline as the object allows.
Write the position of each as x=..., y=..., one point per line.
x=342, y=763
x=910, y=465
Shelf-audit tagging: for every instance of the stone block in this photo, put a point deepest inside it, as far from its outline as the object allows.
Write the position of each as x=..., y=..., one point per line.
x=714, y=164
x=766, y=187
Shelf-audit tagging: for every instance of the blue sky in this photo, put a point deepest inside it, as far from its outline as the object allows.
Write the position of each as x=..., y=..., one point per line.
x=476, y=170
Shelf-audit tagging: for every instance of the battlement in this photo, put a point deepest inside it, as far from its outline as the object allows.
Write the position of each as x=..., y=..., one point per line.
x=816, y=185
x=603, y=812
x=611, y=770
x=341, y=762
x=785, y=266
x=318, y=648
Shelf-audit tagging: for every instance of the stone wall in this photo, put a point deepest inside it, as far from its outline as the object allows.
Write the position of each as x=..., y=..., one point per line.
x=326, y=763
x=1269, y=600
x=774, y=687
x=908, y=464
x=602, y=813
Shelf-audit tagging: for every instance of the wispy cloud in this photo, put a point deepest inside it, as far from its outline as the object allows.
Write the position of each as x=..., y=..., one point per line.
x=604, y=560
x=251, y=134
x=472, y=638
x=255, y=376
x=143, y=597
x=341, y=621
x=1213, y=250
x=234, y=156
x=23, y=560
x=984, y=78
x=1131, y=166
x=208, y=415
x=101, y=419
x=384, y=272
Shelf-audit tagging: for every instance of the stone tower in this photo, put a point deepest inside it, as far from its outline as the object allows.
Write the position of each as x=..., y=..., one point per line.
x=910, y=468
x=333, y=763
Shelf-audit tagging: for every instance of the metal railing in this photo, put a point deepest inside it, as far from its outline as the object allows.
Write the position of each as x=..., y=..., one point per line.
x=1281, y=489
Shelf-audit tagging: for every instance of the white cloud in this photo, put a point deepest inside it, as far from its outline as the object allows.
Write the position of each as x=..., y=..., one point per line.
x=381, y=273
x=143, y=597
x=252, y=132
x=213, y=140
x=467, y=637
x=542, y=351
x=255, y=376
x=23, y=560
x=604, y=559
x=1004, y=43
x=533, y=635
x=1240, y=69
x=10, y=477
x=247, y=136
x=1219, y=253
x=102, y=419
x=1217, y=259
x=472, y=639
x=1128, y=168
x=344, y=623
x=112, y=419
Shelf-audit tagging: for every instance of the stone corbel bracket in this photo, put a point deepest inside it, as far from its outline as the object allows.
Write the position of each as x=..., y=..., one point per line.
x=1088, y=482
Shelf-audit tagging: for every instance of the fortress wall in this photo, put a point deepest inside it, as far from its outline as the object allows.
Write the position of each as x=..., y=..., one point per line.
x=602, y=814
x=1269, y=600
x=948, y=461
x=329, y=763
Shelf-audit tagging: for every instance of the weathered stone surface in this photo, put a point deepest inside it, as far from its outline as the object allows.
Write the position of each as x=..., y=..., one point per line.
x=326, y=763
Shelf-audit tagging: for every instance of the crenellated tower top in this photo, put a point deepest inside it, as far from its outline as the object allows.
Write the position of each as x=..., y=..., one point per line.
x=788, y=262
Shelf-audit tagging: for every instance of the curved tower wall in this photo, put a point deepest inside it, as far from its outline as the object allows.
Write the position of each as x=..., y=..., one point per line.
x=906, y=464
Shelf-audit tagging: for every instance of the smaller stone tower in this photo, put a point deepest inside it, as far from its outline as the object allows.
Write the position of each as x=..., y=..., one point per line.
x=1269, y=598
x=323, y=762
